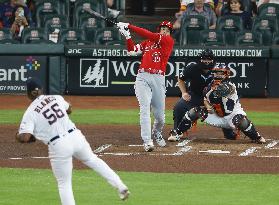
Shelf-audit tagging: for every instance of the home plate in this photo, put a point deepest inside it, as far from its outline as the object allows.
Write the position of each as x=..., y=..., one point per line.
x=215, y=151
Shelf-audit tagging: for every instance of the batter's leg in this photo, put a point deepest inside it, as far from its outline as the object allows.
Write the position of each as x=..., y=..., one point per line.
x=144, y=94
x=158, y=108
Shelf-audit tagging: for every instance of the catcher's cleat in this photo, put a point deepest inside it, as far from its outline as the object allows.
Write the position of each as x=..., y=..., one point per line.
x=229, y=134
x=148, y=146
x=123, y=195
x=260, y=140
x=159, y=139
x=174, y=136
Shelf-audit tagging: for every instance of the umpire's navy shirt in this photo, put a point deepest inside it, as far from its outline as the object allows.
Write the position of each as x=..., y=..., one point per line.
x=197, y=79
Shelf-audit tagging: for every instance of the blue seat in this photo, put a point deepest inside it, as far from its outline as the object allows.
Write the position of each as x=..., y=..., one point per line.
x=105, y=36
x=230, y=25
x=190, y=30
x=267, y=26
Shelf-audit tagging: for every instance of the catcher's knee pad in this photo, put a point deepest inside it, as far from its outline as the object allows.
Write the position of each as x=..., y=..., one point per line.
x=241, y=122
x=197, y=113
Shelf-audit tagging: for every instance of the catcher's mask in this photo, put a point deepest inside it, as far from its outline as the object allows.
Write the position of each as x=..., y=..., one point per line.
x=207, y=59
x=221, y=73
x=167, y=24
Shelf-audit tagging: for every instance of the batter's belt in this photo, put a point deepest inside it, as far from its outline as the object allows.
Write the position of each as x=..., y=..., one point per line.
x=151, y=71
x=57, y=136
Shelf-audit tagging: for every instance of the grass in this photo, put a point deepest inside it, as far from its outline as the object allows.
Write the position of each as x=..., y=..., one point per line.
x=38, y=187
x=131, y=117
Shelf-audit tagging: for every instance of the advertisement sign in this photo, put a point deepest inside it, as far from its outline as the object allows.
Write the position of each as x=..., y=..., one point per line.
x=15, y=70
x=116, y=76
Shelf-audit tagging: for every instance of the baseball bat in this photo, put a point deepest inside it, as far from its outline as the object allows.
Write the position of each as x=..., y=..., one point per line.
x=98, y=15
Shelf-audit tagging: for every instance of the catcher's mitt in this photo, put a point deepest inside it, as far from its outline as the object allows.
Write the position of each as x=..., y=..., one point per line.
x=224, y=89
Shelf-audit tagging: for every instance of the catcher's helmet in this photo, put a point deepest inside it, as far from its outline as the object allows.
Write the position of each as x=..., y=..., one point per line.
x=221, y=73
x=166, y=24
x=207, y=58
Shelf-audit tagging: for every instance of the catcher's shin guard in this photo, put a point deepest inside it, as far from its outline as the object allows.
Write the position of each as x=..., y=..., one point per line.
x=184, y=125
x=189, y=118
x=246, y=126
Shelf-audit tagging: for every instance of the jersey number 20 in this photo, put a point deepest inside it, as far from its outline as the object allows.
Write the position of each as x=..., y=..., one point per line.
x=54, y=114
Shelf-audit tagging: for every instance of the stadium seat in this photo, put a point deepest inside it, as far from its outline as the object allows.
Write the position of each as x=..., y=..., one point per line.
x=190, y=29
x=268, y=9
x=73, y=36
x=33, y=35
x=65, y=7
x=55, y=21
x=5, y=33
x=90, y=24
x=275, y=40
x=267, y=26
x=230, y=25
x=9, y=41
x=249, y=39
x=212, y=37
x=96, y=5
x=44, y=8
x=104, y=36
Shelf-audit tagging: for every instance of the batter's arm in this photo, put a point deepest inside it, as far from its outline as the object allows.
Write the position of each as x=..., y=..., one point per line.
x=145, y=33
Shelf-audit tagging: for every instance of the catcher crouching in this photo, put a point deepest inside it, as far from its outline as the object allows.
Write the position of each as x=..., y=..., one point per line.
x=222, y=107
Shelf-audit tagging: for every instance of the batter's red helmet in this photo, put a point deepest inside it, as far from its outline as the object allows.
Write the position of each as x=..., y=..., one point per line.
x=167, y=24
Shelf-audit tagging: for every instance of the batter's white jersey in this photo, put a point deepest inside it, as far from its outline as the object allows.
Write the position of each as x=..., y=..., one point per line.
x=227, y=107
x=46, y=117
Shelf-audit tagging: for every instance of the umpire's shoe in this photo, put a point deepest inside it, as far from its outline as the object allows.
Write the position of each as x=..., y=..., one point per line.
x=174, y=137
x=159, y=139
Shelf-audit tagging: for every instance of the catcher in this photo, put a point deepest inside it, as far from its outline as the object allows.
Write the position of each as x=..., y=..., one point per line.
x=222, y=107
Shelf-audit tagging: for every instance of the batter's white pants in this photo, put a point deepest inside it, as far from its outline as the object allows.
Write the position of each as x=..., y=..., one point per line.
x=150, y=91
x=75, y=145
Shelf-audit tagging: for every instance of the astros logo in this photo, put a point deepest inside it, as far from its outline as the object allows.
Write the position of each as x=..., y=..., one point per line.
x=32, y=63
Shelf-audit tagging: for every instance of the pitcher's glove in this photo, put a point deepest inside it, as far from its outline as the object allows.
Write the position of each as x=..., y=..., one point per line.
x=223, y=90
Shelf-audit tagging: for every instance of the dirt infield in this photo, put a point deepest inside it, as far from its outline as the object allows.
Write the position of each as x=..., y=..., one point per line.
x=204, y=151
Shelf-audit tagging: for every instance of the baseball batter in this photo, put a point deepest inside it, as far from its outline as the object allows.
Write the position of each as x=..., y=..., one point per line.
x=47, y=119
x=222, y=107
x=150, y=87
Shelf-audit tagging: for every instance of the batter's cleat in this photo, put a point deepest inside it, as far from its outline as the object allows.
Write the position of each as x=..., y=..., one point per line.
x=123, y=195
x=148, y=147
x=159, y=139
x=174, y=137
